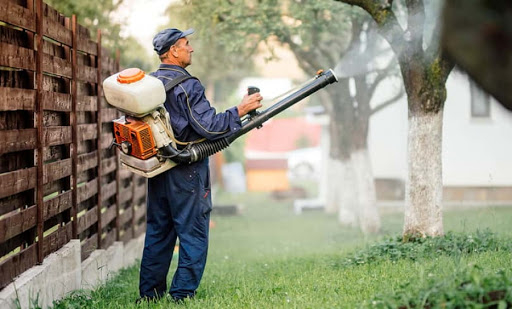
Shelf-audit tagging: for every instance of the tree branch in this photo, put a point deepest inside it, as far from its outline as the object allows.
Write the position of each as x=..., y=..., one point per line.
x=382, y=13
x=415, y=22
x=388, y=102
x=381, y=74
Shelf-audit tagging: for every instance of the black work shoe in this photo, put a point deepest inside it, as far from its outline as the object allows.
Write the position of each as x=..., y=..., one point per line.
x=146, y=299
x=181, y=300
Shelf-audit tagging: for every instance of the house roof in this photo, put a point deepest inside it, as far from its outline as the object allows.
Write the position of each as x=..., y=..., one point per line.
x=283, y=135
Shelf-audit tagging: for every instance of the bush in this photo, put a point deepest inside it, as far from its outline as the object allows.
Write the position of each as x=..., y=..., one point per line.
x=394, y=249
x=469, y=288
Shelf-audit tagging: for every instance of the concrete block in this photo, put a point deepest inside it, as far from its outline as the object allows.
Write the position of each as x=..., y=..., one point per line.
x=94, y=269
x=58, y=275
x=115, y=258
x=133, y=251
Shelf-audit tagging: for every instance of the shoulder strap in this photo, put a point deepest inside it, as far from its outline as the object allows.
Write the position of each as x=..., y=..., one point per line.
x=173, y=82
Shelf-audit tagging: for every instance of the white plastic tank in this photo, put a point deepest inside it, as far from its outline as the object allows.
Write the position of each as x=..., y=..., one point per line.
x=134, y=92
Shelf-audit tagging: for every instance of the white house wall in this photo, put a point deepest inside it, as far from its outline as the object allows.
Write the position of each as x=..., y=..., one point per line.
x=476, y=152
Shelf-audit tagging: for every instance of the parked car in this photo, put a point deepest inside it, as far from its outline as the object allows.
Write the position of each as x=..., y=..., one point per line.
x=305, y=163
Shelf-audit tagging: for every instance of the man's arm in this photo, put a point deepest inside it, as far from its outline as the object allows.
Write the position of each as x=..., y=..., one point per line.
x=204, y=118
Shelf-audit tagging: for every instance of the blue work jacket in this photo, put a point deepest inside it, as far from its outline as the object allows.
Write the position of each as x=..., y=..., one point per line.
x=192, y=116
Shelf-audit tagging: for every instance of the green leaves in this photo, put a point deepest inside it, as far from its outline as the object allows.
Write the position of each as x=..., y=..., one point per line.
x=469, y=287
x=452, y=244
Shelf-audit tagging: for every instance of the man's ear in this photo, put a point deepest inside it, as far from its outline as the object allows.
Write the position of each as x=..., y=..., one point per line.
x=173, y=51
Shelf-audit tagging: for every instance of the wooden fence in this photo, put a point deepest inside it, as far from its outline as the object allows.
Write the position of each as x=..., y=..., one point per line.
x=59, y=179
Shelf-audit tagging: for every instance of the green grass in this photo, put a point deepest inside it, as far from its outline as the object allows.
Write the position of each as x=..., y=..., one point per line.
x=267, y=257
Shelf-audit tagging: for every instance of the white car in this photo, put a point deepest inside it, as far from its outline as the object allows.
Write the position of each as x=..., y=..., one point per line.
x=305, y=163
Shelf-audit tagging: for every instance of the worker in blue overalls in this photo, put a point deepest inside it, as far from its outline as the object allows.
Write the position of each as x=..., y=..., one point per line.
x=179, y=200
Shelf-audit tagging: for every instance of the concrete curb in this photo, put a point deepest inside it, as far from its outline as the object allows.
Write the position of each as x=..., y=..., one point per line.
x=62, y=272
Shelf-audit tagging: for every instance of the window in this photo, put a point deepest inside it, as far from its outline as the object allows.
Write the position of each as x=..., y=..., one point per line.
x=480, y=101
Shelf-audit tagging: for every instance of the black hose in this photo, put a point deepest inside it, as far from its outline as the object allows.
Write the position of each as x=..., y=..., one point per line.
x=194, y=152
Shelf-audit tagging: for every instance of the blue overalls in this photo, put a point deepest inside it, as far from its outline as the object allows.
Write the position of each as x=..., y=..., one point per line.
x=179, y=200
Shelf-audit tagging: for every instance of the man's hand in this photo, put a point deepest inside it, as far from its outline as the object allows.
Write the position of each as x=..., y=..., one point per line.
x=249, y=103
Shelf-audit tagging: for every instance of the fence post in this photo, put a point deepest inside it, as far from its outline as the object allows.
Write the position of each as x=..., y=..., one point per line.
x=40, y=130
x=98, y=140
x=74, y=127
x=118, y=167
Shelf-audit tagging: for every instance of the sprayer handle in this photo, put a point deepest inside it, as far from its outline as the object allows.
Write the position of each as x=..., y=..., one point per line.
x=252, y=90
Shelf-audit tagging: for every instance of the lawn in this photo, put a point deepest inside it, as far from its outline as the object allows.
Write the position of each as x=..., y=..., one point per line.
x=267, y=257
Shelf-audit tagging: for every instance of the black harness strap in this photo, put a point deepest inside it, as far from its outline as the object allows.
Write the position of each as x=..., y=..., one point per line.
x=173, y=82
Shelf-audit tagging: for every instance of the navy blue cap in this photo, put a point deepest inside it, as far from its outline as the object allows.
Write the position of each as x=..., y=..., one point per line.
x=164, y=39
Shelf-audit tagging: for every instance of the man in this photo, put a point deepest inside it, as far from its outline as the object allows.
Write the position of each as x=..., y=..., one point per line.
x=179, y=200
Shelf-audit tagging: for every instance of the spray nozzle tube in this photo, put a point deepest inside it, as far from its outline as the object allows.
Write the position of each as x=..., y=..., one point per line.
x=202, y=150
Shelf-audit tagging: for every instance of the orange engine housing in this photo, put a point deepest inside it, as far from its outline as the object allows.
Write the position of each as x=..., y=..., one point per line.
x=138, y=134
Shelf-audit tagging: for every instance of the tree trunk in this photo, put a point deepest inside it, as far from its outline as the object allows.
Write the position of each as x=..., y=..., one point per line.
x=335, y=177
x=348, y=201
x=424, y=187
x=368, y=215
x=340, y=130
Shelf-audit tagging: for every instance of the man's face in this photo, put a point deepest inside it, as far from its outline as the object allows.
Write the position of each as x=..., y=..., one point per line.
x=184, y=50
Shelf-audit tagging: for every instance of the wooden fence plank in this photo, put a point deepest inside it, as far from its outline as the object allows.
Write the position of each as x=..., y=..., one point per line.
x=56, y=170
x=109, y=114
x=86, y=74
x=87, y=191
x=54, y=101
x=16, y=264
x=17, y=15
x=57, y=205
x=56, y=136
x=88, y=246
x=12, y=99
x=73, y=120
x=139, y=193
x=16, y=57
x=125, y=173
x=126, y=195
x=139, y=230
x=16, y=201
x=56, y=65
x=106, y=140
x=87, y=161
x=108, y=215
x=108, y=165
x=57, y=239
x=16, y=223
x=86, y=220
x=17, y=140
x=109, y=239
x=126, y=237
x=17, y=181
x=86, y=103
x=86, y=45
x=139, y=213
x=126, y=216
x=56, y=31
x=87, y=131
x=109, y=190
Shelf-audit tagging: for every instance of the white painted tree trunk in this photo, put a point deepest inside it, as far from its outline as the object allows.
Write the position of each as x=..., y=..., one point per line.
x=348, y=196
x=333, y=185
x=424, y=184
x=369, y=219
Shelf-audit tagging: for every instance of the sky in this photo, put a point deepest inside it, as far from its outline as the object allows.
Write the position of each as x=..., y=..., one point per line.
x=143, y=19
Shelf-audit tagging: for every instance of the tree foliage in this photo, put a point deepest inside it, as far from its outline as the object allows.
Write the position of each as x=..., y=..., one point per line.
x=98, y=14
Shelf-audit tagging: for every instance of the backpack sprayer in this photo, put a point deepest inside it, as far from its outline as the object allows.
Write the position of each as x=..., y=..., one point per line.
x=144, y=135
